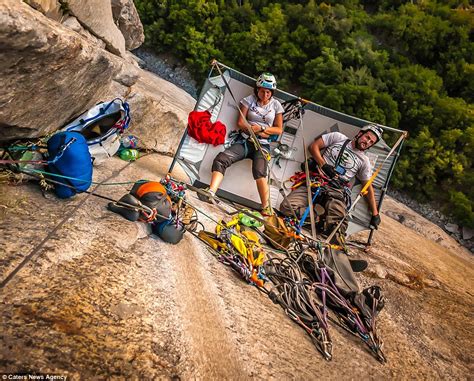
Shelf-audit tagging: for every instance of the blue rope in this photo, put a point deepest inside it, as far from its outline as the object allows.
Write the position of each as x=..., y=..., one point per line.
x=306, y=212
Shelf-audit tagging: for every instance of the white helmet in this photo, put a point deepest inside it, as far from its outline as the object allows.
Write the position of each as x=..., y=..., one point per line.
x=373, y=128
x=267, y=81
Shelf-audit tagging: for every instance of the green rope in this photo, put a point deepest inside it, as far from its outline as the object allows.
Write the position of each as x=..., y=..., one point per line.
x=85, y=181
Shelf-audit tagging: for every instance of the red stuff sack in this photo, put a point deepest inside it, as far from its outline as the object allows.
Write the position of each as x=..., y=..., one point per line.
x=203, y=130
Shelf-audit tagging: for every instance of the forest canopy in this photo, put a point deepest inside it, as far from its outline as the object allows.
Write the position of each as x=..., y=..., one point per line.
x=405, y=64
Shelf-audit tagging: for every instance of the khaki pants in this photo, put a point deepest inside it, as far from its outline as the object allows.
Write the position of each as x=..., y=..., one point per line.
x=331, y=199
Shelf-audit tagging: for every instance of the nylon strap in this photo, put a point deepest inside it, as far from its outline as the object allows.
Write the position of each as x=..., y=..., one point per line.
x=308, y=182
x=341, y=152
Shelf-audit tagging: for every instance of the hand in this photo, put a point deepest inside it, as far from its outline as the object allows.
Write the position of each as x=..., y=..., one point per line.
x=329, y=170
x=375, y=221
x=256, y=128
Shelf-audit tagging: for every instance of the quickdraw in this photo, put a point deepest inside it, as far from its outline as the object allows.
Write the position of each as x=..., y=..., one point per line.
x=150, y=214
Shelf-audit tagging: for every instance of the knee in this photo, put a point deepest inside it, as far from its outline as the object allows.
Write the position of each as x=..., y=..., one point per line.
x=285, y=208
x=335, y=211
x=221, y=163
x=288, y=207
x=259, y=170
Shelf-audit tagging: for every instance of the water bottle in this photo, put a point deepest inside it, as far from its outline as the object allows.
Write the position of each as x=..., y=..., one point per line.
x=129, y=141
x=129, y=154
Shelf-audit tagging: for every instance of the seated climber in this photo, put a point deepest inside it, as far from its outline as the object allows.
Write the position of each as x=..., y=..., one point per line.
x=264, y=114
x=342, y=160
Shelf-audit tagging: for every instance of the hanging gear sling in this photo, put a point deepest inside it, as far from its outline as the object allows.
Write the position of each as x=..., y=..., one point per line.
x=238, y=247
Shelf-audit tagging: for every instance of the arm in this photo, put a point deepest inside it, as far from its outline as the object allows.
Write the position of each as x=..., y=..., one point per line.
x=375, y=220
x=315, y=150
x=370, y=196
x=276, y=129
x=242, y=123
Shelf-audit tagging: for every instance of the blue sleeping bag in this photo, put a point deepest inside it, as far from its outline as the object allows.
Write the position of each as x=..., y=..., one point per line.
x=69, y=156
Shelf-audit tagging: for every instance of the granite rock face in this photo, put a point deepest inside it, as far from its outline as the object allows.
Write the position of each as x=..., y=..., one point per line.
x=159, y=112
x=99, y=298
x=118, y=30
x=50, y=74
x=96, y=16
x=54, y=72
x=50, y=8
x=72, y=23
x=126, y=17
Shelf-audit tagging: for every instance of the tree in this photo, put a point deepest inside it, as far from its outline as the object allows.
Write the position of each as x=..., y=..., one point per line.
x=400, y=63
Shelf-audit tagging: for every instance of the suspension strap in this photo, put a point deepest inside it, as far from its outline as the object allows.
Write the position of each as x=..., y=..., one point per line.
x=341, y=152
x=308, y=181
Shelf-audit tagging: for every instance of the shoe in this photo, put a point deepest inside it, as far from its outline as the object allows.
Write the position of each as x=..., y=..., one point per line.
x=209, y=197
x=267, y=212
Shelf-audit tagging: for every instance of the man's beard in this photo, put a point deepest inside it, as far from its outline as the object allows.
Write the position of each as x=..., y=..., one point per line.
x=357, y=144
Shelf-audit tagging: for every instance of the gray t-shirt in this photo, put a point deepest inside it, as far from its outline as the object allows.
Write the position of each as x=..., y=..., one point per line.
x=262, y=115
x=354, y=161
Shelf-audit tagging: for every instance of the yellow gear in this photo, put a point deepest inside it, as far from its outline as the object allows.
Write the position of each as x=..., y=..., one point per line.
x=246, y=242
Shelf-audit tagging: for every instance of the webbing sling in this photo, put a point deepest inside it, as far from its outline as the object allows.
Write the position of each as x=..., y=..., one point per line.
x=308, y=182
x=341, y=152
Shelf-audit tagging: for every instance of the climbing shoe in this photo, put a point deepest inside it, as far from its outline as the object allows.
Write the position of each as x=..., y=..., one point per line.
x=206, y=195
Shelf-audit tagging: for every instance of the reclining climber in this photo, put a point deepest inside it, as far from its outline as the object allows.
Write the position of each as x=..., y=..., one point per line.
x=342, y=160
x=264, y=114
